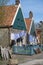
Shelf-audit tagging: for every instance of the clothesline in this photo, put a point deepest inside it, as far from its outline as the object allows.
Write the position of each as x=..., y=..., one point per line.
x=15, y=36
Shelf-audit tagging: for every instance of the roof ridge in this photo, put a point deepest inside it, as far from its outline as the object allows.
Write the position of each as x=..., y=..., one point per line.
x=9, y=6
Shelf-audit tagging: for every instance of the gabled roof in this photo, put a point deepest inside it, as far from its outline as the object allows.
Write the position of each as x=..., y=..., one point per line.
x=28, y=23
x=9, y=14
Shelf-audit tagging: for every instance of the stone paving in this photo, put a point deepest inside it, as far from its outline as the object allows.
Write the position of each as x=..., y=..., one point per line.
x=33, y=62
x=23, y=59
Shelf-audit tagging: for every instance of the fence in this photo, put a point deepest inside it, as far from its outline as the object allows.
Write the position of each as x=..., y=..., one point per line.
x=27, y=50
x=41, y=46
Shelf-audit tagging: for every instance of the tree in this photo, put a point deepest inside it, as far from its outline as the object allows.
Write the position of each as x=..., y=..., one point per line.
x=41, y=27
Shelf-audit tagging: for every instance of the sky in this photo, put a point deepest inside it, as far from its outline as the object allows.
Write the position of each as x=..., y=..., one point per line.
x=36, y=6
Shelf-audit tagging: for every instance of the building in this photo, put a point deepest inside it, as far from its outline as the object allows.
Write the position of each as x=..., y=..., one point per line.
x=12, y=22
x=31, y=28
x=38, y=35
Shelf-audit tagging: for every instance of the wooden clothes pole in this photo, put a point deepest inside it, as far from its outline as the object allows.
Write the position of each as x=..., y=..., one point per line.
x=9, y=36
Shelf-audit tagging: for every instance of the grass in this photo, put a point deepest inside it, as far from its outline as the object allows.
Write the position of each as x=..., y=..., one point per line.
x=3, y=62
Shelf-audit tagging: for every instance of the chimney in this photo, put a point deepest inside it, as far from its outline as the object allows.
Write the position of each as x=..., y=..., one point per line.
x=30, y=15
x=17, y=2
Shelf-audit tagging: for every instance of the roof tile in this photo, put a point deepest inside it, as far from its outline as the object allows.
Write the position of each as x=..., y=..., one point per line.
x=7, y=14
x=28, y=23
